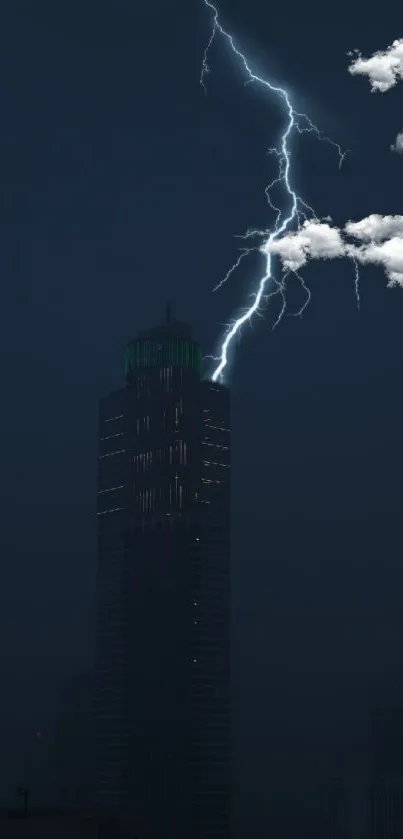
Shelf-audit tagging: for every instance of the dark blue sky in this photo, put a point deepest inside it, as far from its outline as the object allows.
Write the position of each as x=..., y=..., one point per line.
x=122, y=186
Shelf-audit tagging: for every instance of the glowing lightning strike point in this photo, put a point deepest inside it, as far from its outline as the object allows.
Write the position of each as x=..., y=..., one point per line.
x=299, y=209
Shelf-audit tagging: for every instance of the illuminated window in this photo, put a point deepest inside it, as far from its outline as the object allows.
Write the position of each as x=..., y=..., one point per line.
x=141, y=387
x=166, y=377
x=207, y=442
x=111, y=454
x=112, y=510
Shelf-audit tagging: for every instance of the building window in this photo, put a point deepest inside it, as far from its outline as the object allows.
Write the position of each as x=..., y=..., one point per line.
x=111, y=454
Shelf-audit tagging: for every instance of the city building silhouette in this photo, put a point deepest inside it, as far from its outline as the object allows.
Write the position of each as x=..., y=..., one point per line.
x=162, y=695
x=386, y=787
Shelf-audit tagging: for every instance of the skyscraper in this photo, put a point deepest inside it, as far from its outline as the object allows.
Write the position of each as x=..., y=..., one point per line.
x=386, y=788
x=334, y=815
x=163, y=602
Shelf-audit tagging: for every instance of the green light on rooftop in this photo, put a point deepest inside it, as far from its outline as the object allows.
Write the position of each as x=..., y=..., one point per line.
x=148, y=353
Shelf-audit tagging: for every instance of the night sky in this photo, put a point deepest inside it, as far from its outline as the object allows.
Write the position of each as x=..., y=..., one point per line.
x=122, y=186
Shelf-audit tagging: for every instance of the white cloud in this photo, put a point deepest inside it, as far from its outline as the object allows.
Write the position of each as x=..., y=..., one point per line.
x=389, y=254
x=384, y=69
x=375, y=228
x=314, y=240
x=398, y=144
x=381, y=238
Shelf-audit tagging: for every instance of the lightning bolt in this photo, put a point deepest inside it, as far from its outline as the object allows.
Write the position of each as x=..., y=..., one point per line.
x=356, y=281
x=299, y=210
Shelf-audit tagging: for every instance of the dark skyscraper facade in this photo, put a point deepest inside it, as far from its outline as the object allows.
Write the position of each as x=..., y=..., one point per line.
x=334, y=811
x=163, y=601
x=386, y=790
